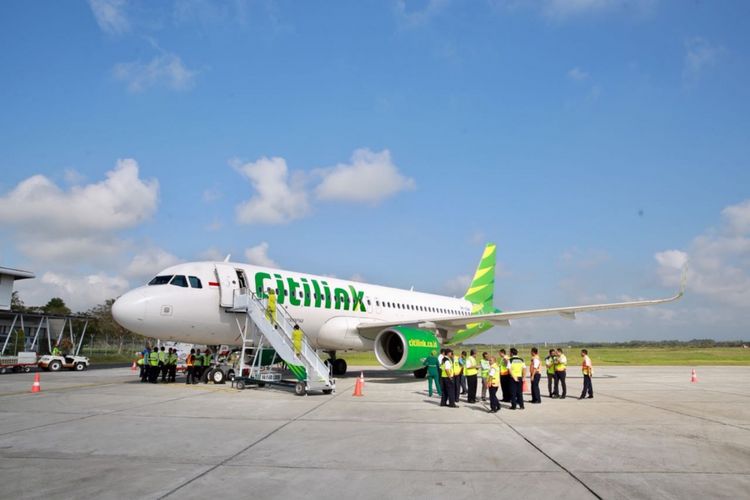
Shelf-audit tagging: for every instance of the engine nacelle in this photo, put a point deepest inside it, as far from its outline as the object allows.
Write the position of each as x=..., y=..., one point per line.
x=403, y=348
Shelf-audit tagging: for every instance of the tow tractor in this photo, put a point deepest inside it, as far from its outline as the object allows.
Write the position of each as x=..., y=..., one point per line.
x=53, y=363
x=23, y=362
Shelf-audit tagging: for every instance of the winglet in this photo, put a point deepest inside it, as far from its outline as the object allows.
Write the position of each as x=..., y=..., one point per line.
x=226, y=259
x=683, y=279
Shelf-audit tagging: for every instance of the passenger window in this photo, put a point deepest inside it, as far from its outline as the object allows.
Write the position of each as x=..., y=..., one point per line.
x=160, y=280
x=195, y=282
x=179, y=280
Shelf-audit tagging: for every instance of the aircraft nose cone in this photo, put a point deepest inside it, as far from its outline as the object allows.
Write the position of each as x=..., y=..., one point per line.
x=129, y=311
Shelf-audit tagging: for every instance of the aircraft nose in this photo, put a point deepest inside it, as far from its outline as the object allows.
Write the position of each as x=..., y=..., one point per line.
x=129, y=311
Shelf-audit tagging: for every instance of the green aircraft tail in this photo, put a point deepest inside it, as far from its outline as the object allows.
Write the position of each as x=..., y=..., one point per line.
x=482, y=288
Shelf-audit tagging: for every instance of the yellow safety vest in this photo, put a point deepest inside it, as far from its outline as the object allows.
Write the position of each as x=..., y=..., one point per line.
x=485, y=368
x=587, y=370
x=443, y=372
x=297, y=339
x=494, y=380
x=153, y=358
x=516, y=367
x=550, y=362
x=456, y=367
x=561, y=363
x=504, y=366
x=471, y=366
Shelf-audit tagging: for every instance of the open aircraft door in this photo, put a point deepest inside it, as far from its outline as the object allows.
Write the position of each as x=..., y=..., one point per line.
x=227, y=276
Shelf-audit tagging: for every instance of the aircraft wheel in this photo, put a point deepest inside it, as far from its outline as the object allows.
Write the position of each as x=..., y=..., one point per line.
x=421, y=373
x=300, y=389
x=339, y=367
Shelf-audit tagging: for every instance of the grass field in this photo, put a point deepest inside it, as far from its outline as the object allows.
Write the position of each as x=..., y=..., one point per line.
x=615, y=356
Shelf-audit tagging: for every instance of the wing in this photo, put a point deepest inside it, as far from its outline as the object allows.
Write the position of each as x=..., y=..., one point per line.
x=452, y=324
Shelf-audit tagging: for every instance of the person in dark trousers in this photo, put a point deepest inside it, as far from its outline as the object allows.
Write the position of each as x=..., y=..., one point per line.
x=470, y=372
x=561, y=366
x=145, y=365
x=493, y=384
x=457, y=374
x=172, y=360
x=549, y=362
x=163, y=364
x=206, y=362
x=588, y=372
x=153, y=368
x=433, y=373
x=197, y=366
x=517, y=368
x=502, y=362
x=189, y=367
x=535, y=373
x=446, y=379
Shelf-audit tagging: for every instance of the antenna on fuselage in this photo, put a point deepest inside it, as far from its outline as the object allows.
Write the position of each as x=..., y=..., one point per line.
x=226, y=259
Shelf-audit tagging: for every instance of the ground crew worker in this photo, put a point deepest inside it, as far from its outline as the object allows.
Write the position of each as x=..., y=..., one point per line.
x=457, y=369
x=462, y=362
x=561, y=365
x=516, y=367
x=448, y=397
x=484, y=373
x=271, y=307
x=56, y=350
x=145, y=367
x=549, y=362
x=172, y=360
x=502, y=362
x=189, y=366
x=141, y=365
x=297, y=339
x=433, y=375
x=588, y=372
x=153, y=368
x=493, y=381
x=470, y=372
x=163, y=364
x=206, y=363
x=535, y=373
x=197, y=366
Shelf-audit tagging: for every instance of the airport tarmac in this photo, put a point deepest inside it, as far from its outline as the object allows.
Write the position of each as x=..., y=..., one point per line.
x=648, y=433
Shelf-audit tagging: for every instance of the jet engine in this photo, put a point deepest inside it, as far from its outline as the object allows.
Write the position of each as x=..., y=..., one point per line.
x=404, y=348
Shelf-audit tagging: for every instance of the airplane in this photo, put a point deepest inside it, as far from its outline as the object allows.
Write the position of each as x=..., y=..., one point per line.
x=190, y=302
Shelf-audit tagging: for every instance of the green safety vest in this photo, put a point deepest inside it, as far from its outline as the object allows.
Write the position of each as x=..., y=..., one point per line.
x=485, y=372
x=443, y=372
x=153, y=358
x=197, y=360
x=139, y=362
x=550, y=362
x=516, y=367
x=206, y=360
x=162, y=356
x=55, y=351
x=173, y=359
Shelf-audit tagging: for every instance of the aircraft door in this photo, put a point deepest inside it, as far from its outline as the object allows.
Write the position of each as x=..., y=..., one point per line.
x=227, y=276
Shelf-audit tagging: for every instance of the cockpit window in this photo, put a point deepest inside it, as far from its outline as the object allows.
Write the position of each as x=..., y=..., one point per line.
x=195, y=282
x=179, y=280
x=160, y=280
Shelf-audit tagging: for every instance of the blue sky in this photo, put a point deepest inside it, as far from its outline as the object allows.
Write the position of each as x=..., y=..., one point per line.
x=599, y=143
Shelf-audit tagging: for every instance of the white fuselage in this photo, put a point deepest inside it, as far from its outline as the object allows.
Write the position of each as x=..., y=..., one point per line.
x=171, y=311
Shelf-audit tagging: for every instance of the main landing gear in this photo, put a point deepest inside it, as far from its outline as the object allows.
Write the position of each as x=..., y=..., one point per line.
x=339, y=365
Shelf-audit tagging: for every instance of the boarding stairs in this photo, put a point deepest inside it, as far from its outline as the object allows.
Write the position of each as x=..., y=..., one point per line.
x=258, y=330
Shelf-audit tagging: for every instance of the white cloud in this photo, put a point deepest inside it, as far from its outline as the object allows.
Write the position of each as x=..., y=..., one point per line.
x=122, y=200
x=165, y=70
x=577, y=74
x=110, y=15
x=80, y=293
x=567, y=9
x=700, y=54
x=278, y=198
x=258, y=255
x=147, y=263
x=369, y=177
x=415, y=17
x=719, y=268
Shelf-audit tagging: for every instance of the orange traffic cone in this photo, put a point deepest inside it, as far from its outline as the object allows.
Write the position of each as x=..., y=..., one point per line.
x=357, y=387
x=36, y=386
x=133, y=368
x=693, y=376
x=525, y=386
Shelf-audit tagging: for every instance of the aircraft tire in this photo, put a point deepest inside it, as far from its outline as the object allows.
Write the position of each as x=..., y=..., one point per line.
x=218, y=376
x=421, y=373
x=339, y=367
